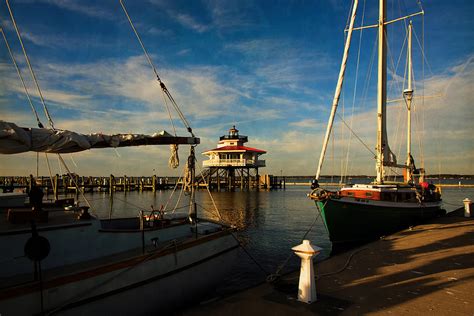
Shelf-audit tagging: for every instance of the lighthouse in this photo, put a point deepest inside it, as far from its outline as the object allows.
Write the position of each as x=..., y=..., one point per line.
x=231, y=163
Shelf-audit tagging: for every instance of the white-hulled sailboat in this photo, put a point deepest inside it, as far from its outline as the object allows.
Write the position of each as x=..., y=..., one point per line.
x=363, y=212
x=65, y=263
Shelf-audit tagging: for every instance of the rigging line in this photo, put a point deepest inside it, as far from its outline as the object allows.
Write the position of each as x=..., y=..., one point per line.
x=418, y=134
x=354, y=133
x=423, y=84
x=276, y=275
x=53, y=183
x=422, y=47
x=355, y=89
x=209, y=192
x=210, y=211
x=172, y=193
x=176, y=107
x=395, y=81
x=45, y=108
x=168, y=110
x=75, y=183
x=40, y=125
x=162, y=85
x=140, y=41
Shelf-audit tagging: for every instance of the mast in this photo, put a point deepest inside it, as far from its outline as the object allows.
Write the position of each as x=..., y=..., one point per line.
x=337, y=93
x=381, y=92
x=408, y=95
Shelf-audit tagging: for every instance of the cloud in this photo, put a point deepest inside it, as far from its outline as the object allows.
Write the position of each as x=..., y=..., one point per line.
x=234, y=15
x=189, y=22
x=306, y=123
x=89, y=9
x=159, y=32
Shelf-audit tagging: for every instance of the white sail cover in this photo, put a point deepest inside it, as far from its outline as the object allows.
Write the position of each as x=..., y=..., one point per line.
x=15, y=139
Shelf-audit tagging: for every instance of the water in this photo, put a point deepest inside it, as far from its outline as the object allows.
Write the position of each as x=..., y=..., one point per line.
x=269, y=223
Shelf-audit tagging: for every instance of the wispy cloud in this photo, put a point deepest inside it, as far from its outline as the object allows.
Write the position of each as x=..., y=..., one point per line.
x=234, y=15
x=89, y=9
x=306, y=123
x=159, y=32
x=190, y=22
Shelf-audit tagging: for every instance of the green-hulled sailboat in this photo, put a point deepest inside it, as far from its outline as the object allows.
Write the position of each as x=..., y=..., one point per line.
x=363, y=212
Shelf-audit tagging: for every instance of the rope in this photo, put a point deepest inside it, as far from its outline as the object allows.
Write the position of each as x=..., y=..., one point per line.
x=173, y=162
x=172, y=193
x=40, y=125
x=45, y=108
x=179, y=197
x=250, y=256
x=275, y=276
x=168, y=110
x=75, y=183
x=346, y=167
x=162, y=85
x=354, y=133
x=51, y=175
x=210, y=195
x=344, y=266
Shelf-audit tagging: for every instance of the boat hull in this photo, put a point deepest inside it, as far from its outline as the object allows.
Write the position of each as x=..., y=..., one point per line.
x=355, y=222
x=149, y=284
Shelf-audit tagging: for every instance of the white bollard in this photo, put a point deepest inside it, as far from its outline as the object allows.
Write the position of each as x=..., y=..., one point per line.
x=467, y=207
x=307, y=286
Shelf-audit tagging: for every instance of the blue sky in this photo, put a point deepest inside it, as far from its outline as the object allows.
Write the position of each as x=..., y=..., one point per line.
x=269, y=67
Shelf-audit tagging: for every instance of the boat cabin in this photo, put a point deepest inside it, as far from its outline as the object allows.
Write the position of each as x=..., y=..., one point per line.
x=391, y=192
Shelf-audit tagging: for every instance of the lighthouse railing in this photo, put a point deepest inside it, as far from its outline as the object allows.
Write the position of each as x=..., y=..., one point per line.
x=233, y=163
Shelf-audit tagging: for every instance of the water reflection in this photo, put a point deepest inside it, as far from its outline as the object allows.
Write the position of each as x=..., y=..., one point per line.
x=240, y=209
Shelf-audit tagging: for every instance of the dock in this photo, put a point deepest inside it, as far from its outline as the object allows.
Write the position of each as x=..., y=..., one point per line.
x=428, y=269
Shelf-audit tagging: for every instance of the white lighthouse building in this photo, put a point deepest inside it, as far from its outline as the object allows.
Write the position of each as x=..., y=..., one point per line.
x=233, y=162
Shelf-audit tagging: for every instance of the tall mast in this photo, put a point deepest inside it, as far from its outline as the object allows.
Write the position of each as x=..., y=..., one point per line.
x=408, y=94
x=381, y=92
x=337, y=93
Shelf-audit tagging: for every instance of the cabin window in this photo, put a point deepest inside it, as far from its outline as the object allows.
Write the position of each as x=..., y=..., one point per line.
x=349, y=193
x=368, y=193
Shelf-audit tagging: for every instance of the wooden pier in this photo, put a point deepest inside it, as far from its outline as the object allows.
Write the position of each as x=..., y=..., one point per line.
x=67, y=184
x=219, y=179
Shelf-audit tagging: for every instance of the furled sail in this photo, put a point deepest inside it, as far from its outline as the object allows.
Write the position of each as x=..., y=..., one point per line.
x=15, y=139
x=389, y=158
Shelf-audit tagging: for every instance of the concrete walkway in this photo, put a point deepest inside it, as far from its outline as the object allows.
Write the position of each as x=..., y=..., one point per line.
x=428, y=270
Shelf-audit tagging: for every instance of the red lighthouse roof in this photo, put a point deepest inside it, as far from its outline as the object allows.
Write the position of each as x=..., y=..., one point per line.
x=238, y=148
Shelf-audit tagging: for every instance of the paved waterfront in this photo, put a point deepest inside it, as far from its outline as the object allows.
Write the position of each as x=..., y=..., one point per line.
x=426, y=270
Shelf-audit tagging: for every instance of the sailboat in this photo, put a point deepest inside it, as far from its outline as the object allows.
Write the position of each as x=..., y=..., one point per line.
x=58, y=261
x=362, y=212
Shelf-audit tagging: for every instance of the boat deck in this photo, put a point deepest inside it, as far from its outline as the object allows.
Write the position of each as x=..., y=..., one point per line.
x=57, y=217
x=425, y=270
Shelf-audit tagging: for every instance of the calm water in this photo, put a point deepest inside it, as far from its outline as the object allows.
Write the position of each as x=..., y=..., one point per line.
x=269, y=223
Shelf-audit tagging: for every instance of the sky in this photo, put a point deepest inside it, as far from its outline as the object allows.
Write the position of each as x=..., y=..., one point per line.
x=268, y=67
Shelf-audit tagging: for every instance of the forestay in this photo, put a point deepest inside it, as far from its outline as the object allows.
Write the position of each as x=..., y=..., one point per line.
x=15, y=139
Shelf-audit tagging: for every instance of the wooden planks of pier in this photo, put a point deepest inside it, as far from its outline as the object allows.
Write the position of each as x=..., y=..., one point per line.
x=67, y=184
